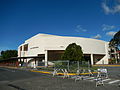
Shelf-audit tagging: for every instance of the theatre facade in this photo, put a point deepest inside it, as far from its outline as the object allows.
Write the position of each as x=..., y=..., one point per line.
x=51, y=47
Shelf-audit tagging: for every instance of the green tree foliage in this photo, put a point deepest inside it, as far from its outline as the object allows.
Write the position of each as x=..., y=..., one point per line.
x=115, y=45
x=115, y=41
x=73, y=52
x=8, y=54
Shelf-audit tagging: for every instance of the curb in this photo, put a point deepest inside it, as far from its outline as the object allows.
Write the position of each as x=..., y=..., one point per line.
x=108, y=65
x=71, y=74
x=45, y=72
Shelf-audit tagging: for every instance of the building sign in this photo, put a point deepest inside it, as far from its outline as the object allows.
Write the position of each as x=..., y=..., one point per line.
x=34, y=47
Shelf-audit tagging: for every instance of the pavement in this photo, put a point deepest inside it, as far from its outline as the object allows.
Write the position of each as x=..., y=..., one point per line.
x=44, y=71
x=55, y=83
x=18, y=79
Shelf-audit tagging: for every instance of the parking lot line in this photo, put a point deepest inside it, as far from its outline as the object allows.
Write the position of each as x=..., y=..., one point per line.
x=113, y=81
x=106, y=80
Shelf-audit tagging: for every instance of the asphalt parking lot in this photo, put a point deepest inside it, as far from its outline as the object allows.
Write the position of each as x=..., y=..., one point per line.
x=24, y=80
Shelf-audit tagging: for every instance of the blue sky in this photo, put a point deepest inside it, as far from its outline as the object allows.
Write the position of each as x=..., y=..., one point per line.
x=22, y=19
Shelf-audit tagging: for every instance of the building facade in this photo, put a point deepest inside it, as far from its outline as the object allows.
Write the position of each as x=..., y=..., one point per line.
x=52, y=46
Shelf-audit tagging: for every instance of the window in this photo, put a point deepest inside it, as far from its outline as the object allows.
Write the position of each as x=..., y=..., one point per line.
x=21, y=48
x=26, y=47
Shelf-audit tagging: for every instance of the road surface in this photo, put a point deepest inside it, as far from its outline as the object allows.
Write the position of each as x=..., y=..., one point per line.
x=13, y=79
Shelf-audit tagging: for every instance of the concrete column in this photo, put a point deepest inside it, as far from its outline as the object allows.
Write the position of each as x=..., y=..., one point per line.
x=107, y=54
x=34, y=63
x=91, y=59
x=19, y=62
x=46, y=58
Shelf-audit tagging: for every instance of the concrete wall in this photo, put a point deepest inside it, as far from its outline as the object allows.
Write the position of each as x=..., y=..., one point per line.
x=39, y=43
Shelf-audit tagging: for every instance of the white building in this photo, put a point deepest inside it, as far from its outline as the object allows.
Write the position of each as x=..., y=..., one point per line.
x=52, y=46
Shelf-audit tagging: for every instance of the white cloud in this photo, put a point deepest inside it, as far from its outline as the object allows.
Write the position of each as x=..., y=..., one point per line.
x=111, y=33
x=79, y=29
x=107, y=27
x=98, y=36
x=106, y=8
x=117, y=9
x=114, y=9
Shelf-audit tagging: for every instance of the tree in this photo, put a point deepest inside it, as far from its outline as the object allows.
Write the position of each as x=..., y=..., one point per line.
x=73, y=52
x=8, y=54
x=115, y=41
x=115, y=44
